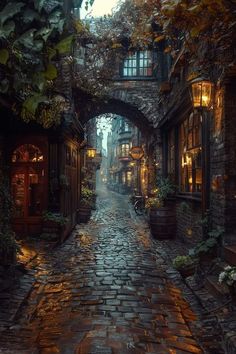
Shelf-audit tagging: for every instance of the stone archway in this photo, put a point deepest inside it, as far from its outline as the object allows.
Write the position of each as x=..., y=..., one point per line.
x=130, y=107
x=135, y=110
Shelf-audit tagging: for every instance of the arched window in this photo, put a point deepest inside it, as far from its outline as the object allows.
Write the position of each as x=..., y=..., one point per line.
x=27, y=153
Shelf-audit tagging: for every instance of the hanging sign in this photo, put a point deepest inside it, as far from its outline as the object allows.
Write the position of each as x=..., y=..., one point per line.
x=136, y=152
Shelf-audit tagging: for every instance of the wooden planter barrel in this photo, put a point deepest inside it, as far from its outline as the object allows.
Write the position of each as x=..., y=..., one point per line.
x=162, y=222
x=84, y=214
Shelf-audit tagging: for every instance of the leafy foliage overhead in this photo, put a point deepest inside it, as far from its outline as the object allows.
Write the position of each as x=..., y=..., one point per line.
x=32, y=34
x=206, y=28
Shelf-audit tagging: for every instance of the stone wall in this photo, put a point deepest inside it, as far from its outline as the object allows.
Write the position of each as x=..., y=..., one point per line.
x=139, y=94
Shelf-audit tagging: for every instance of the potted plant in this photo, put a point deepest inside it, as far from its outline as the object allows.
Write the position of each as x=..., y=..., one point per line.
x=53, y=223
x=186, y=265
x=85, y=204
x=206, y=250
x=228, y=277
x=161, y=210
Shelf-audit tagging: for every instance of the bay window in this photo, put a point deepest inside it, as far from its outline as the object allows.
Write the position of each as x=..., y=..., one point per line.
x=124, y=150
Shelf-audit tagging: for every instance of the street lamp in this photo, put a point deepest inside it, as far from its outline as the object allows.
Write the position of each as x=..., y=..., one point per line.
x=201, y=93
x=137, y=153
x=202, y=99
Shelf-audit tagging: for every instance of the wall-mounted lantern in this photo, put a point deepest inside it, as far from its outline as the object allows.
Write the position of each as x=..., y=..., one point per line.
x=91, y=152
x=201, y=93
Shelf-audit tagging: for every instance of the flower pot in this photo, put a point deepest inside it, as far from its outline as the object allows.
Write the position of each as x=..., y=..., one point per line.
x=84, y=214
x=51, y=226
x=188, y=270
x=162, y=222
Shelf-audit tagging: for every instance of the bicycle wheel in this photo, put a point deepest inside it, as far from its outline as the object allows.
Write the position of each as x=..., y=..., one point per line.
x=139, y=207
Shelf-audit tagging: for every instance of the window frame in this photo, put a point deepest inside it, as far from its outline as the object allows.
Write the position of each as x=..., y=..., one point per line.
x=190, y=146
x=137, y=65
x=124, y=150
x=175, y=131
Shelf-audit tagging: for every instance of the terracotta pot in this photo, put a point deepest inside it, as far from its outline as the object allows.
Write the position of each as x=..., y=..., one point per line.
x=187, y=270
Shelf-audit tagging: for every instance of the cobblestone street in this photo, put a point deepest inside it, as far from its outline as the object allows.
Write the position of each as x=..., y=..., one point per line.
x=102, y=291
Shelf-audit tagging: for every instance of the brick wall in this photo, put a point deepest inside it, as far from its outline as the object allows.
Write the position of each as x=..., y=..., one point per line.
x=230, y=160
x=188, y=214
x=218, y=157
x=223, y=160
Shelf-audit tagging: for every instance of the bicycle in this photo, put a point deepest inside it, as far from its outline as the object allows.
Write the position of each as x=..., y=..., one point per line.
x=139, y=204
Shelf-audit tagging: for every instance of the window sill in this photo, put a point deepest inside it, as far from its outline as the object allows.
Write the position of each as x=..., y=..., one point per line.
x=134, y=78
x=190, y=196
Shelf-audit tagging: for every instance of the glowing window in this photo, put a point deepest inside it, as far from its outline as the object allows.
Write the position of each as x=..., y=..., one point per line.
x=27, y=153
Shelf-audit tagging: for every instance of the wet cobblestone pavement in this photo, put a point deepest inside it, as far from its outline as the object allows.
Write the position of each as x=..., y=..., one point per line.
x=103, y=291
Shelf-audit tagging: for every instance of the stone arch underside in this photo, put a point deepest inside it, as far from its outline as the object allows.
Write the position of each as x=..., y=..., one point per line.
x=139, y=109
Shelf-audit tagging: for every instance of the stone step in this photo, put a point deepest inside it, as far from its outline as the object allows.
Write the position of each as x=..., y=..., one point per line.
x=220, y=291
x=230, y=254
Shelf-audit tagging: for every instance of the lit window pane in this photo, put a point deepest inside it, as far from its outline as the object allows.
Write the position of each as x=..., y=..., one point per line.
x=27, y=153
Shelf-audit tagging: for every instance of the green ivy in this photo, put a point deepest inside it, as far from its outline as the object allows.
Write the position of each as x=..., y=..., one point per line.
x=207, y=245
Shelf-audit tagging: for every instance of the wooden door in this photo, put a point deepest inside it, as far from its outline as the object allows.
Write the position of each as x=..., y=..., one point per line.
x=28, y=187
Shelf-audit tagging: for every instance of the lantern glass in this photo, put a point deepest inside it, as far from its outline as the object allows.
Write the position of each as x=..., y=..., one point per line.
x=202, y=93
x=91, y=152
